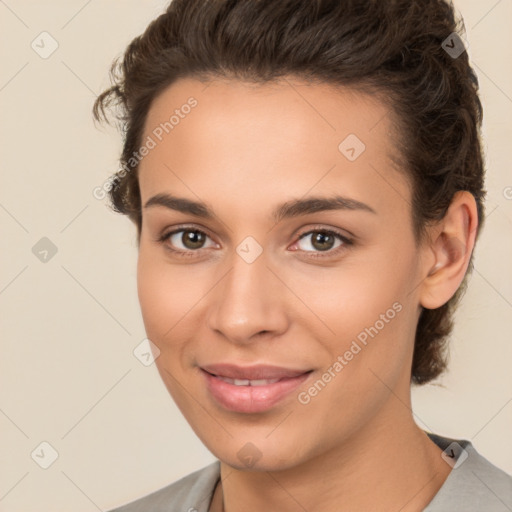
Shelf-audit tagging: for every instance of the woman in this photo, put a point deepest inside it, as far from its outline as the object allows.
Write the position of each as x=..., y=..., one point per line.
x=306, y=179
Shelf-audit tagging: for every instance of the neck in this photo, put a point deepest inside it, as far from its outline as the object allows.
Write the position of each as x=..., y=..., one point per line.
x=387, y=465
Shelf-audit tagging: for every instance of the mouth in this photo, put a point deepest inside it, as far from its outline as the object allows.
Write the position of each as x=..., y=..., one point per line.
x=247, y=382
x=251, y=389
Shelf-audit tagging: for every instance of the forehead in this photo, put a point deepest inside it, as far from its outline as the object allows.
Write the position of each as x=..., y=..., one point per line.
x=298, y=111
x=284, y=135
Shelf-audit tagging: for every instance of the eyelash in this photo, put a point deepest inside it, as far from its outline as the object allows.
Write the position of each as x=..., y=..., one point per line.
x=346, y=242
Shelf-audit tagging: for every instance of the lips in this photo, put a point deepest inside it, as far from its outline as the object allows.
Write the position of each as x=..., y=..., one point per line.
x=252, y=373
x=247, y=382
x=251, y=389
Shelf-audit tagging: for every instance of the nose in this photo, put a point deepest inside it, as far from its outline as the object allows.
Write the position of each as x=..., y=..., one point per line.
x=249, y=302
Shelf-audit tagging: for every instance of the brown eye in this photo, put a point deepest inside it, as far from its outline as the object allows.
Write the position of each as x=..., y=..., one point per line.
x=187, y=240
x=320, y=241
x=192, y=239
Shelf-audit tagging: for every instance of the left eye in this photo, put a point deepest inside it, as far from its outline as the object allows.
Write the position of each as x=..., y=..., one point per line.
x=321, y=240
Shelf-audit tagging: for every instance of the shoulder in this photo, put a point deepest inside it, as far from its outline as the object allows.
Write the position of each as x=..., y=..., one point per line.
x=192, y=493
x=474, y=483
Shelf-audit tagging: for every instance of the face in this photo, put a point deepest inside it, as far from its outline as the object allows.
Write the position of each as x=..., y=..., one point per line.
x=277, y=269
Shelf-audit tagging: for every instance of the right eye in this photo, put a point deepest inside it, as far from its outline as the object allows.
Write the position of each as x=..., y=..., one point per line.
x=186, y=241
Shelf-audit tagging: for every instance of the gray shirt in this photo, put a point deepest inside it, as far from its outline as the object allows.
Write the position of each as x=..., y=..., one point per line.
x=473, y=485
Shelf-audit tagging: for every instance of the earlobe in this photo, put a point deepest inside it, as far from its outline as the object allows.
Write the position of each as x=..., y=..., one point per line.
x=452, y=243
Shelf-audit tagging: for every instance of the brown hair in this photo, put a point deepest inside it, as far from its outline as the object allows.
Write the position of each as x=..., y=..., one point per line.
x=392, y=48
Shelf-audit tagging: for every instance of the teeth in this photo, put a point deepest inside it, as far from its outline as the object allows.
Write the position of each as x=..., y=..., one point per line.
x=247, y=382
x=263, y=382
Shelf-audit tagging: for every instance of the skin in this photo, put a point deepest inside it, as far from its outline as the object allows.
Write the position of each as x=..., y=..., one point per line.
x=244, y=150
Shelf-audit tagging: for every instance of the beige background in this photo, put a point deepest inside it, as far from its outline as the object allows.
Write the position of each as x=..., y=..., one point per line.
x=69, y=326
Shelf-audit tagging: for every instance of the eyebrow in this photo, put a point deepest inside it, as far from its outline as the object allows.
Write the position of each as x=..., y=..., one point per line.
x=289, y=209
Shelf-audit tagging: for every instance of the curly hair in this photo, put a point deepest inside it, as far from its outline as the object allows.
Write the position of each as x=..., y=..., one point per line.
x=396, y=49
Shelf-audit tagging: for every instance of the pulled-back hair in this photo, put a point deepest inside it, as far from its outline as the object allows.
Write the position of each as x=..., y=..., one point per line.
x=397, y=50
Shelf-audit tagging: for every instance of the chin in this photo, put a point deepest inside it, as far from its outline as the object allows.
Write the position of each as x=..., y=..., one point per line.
x=246, y=453
x=271, y=463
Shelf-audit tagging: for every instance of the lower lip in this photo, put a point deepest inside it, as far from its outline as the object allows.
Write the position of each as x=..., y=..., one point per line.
x=251, y=399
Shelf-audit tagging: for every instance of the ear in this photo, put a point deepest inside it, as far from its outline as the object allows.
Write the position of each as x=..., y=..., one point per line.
x=450, y=245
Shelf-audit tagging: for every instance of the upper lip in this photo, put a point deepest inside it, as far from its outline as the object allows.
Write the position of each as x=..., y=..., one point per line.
x=255, y=372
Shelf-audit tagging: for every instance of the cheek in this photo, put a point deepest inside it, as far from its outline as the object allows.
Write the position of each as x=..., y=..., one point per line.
x=166, y=294
x=368, y=328
x=365, y=313
x=353, y=296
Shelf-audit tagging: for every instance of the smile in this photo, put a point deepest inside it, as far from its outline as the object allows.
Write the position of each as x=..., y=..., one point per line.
x=247, y=382
x=251, y=389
